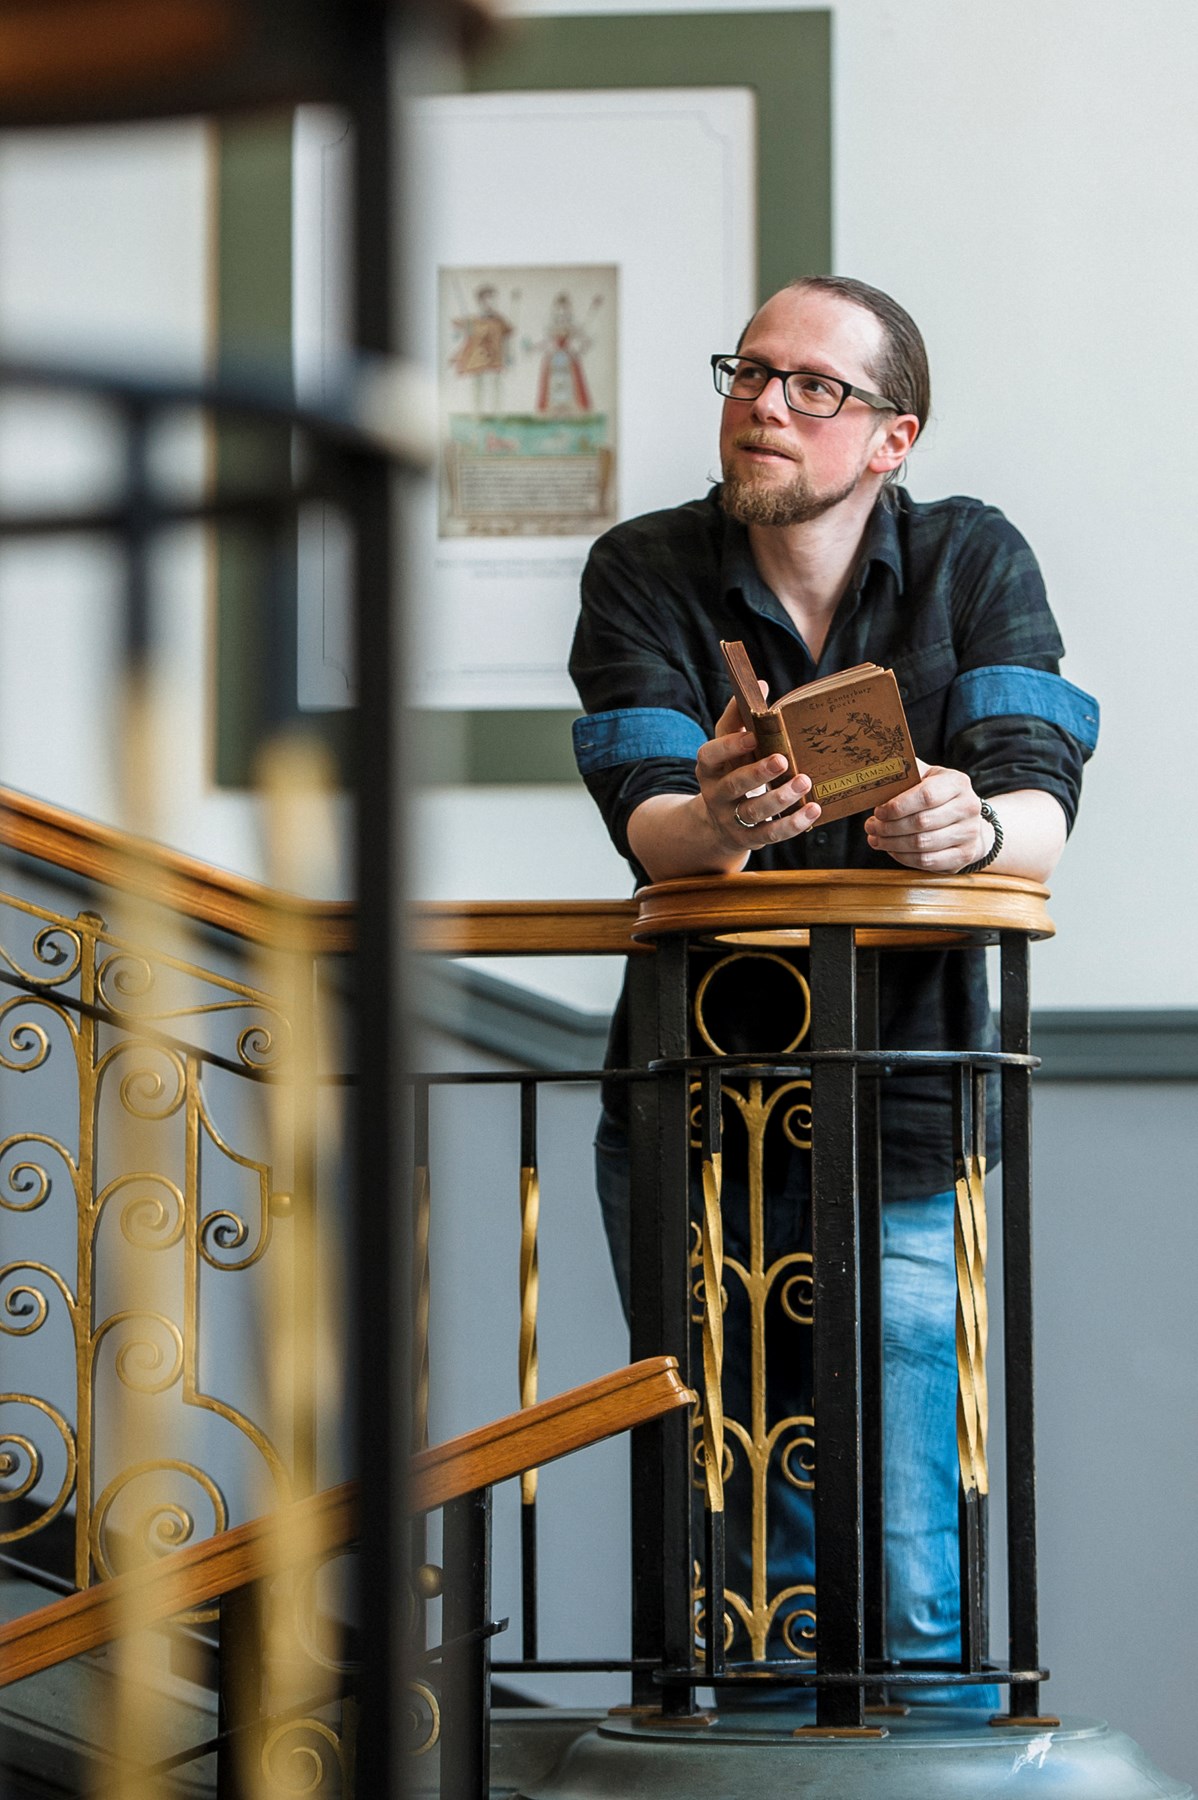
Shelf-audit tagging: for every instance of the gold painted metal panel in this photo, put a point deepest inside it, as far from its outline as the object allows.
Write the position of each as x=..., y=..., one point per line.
x=143, y=1038
x=757, y=1442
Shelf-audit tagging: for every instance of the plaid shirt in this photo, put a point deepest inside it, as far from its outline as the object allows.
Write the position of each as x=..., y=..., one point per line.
x=948, y=595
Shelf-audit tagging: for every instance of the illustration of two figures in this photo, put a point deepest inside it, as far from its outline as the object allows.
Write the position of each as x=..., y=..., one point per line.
x=486, y=350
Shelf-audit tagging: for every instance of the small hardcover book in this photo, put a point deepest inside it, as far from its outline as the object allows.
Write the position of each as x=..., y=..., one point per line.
x=848, y=732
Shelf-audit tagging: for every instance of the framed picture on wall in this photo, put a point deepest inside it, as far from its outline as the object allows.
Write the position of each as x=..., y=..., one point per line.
x=684, y=156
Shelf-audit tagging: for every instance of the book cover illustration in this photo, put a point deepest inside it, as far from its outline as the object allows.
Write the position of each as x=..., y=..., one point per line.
x=852, y=748
x=848, y=732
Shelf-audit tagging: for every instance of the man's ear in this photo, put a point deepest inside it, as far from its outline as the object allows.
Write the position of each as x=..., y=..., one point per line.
x=892, y=451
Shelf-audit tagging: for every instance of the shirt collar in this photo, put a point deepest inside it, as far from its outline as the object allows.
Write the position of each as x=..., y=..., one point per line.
x=881, y=541
x=738, y=570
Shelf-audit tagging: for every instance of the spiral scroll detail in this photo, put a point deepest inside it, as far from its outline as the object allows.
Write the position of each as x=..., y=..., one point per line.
x=164, y=1525
x=55, y=947
x=26, y=1462
x=301, y=1765
x=28, y=1042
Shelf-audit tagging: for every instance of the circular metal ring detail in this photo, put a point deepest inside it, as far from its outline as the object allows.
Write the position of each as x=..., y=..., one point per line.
x=754, y=956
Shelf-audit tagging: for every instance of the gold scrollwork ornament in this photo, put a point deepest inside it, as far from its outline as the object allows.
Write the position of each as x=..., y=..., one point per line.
x=28, y=1041
x=712, y=974
x=25, y=1461
x=298, y=1755
x=165, y=1525
x=56, y=947
x=424, y=1717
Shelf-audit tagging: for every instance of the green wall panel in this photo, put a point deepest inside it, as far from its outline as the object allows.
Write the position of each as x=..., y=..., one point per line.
x=784, y=56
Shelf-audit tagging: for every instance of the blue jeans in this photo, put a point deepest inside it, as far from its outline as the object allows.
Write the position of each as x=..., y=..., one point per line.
x=919, y=1289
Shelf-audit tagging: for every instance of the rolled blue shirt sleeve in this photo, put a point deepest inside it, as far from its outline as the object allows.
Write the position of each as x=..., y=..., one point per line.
x=1012, y=720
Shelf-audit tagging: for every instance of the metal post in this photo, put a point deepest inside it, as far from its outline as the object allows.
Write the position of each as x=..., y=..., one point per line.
x=239, y=1694
x=137, y=633
x=379, y=1280
x=713, y=1371
x=466, y=1664
x=869, y=1186
x=971, y=1408
x=983, y=1545
x=647, y=1443
x=837, y=1393
x=421, y=1203
x=530, y=1193
x=662, y=1611
x=1023, y=1607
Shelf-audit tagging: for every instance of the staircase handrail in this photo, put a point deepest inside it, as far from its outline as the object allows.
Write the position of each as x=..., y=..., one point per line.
x=248, y=909
x=327, y=1521
x=196, y=889
x=540, y=1434
x=892, y=907
x=525, y=927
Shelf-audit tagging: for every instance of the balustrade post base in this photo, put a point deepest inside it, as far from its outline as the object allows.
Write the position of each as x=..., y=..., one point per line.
x=934, y=1750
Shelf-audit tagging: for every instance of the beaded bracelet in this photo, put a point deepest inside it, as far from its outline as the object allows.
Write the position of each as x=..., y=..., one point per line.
x=974, y=868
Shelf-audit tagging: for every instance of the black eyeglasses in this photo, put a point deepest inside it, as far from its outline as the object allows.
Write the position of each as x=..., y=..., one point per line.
x=820, y=396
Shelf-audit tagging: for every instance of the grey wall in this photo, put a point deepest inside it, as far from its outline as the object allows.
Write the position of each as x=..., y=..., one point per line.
x=1117, y=1365
x=475, y=1319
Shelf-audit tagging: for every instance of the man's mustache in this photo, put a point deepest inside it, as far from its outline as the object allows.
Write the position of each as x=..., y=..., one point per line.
x=761, y=440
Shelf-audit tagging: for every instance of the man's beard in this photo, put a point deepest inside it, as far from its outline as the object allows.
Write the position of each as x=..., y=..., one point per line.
x=765, y=503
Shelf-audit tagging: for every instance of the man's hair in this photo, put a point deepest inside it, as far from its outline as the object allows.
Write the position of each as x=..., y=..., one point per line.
x=901, y=373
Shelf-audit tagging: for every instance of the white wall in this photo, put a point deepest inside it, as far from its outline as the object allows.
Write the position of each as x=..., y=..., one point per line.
x=1117, y=1408
x=105, y=257
x=1023, y=178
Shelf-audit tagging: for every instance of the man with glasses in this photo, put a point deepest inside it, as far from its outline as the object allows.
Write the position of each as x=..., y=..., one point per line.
x=810, y=552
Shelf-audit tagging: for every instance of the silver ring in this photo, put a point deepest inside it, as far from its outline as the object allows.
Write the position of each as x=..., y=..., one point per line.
x=749, y=824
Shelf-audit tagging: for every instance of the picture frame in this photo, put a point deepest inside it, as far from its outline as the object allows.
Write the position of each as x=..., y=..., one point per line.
x=784, y=56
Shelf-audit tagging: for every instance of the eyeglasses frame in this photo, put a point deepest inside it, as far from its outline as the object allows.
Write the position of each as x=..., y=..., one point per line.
x=877, y=401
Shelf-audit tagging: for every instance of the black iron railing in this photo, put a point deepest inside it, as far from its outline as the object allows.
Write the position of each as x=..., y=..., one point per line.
x=678, y=1101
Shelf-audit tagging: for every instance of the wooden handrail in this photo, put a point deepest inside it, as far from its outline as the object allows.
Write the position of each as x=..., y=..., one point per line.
x=525, y=927
x=328, y=1521
x=890, y=907
x=83, y=52
x=249, y=910
x=197, y=889
x=185, y=1579
x=78, y=62
x=893, y=907
x=540, y=1434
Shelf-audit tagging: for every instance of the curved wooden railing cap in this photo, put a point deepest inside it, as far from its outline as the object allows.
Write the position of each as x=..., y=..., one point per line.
x=894, y=909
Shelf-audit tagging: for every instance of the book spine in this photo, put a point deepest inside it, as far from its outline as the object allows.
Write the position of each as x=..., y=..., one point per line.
x=771, y=737
x=772, y=740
